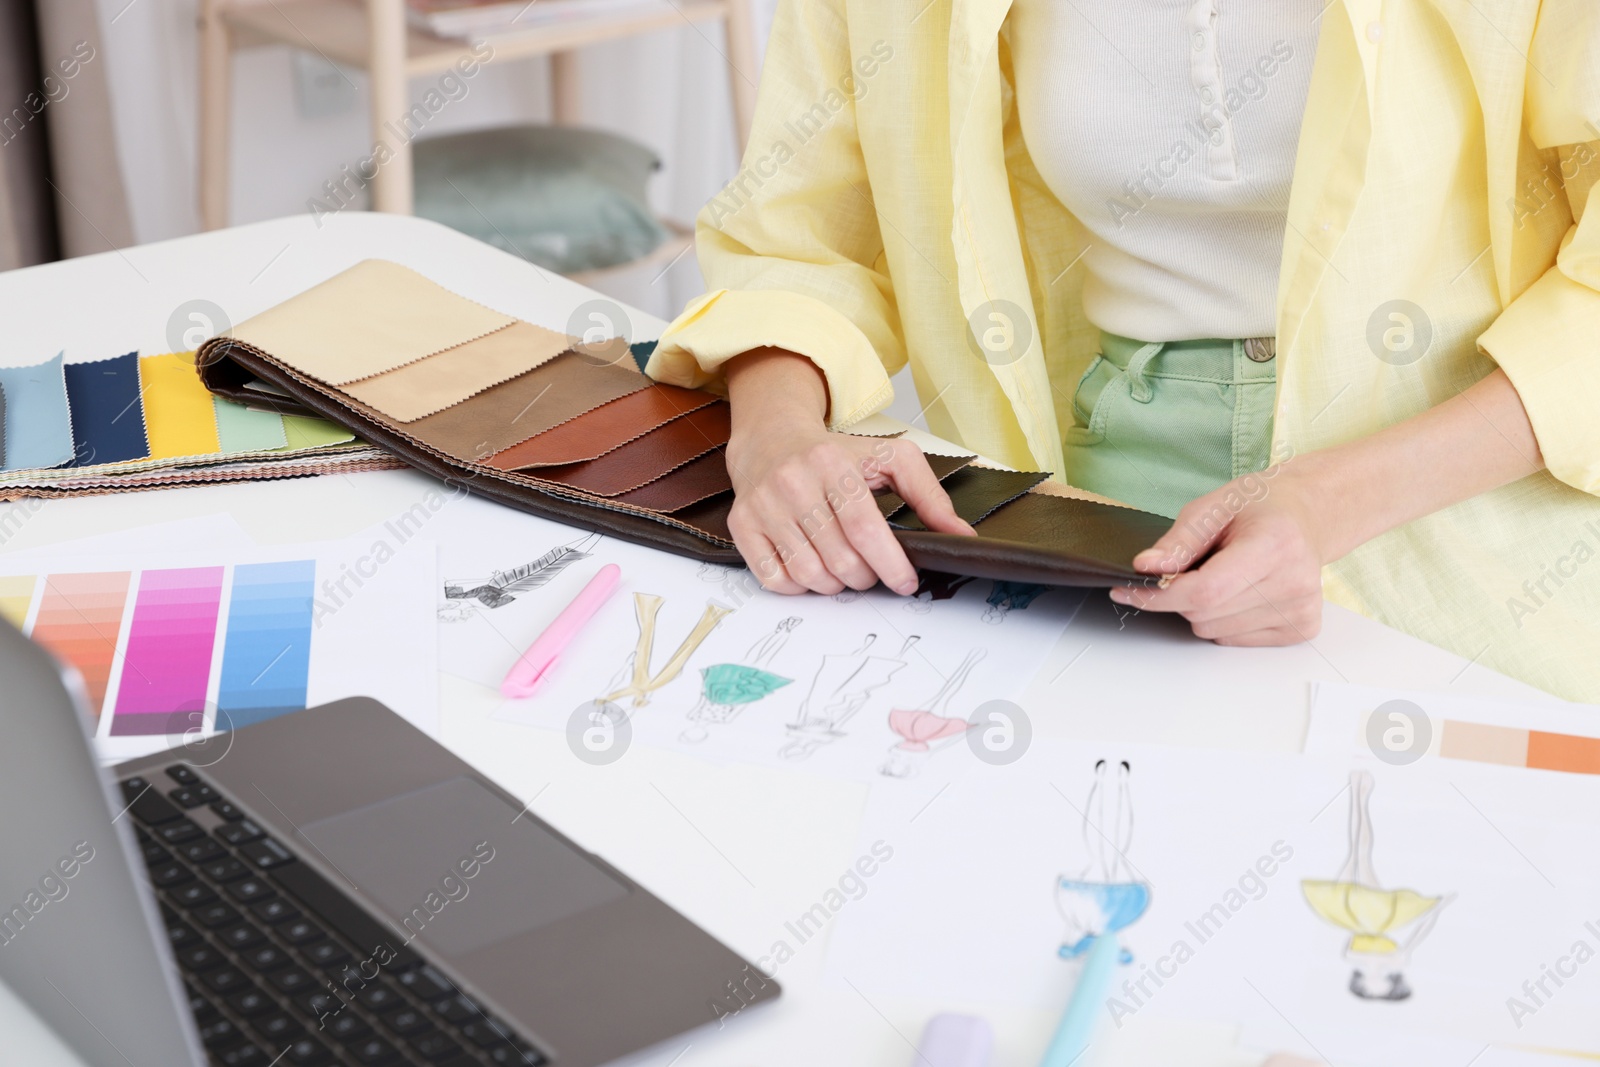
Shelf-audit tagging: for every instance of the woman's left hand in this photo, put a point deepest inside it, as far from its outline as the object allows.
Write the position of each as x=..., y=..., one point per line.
x=1263, y=583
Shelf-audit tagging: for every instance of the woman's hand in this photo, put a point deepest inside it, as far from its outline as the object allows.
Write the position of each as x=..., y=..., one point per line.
x=1273, y=531
x=1263, y=583
x=803, y=515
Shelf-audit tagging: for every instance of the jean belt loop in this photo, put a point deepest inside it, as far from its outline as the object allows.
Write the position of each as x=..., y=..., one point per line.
x=1138, y=384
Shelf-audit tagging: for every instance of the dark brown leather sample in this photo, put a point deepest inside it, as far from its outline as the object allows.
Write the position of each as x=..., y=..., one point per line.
x=942, y=466
x=710, y=517
x=1048, y=539
x=646, y=458
x=602, y=429
x=689, y=484
x=975, y=492
x=529, y=404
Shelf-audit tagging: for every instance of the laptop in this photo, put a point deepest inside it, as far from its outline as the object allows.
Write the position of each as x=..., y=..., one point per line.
x=327, y=887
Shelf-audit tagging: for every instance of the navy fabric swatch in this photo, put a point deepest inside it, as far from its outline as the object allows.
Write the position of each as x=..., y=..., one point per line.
x=640, y=350
x=107, y=411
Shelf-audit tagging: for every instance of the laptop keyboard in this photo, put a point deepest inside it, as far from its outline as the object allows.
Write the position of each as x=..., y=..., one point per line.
x=282, y=969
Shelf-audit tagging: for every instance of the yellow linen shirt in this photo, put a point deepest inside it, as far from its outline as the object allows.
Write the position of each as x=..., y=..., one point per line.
x=887, y=199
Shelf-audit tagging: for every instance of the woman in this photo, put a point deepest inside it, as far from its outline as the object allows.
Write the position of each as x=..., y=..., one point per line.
x=1154, y=247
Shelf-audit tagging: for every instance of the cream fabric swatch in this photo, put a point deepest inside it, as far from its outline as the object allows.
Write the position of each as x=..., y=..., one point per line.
x=449, y=377
x=372, y=318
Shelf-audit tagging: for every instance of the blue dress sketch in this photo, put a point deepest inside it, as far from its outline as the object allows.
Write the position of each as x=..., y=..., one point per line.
x=1106, y=896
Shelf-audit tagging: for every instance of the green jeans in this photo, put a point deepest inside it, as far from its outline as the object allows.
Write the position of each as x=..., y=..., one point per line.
x=1156, y=425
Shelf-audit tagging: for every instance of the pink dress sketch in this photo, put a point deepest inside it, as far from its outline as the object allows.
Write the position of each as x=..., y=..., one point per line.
x=728, y=688
x=921, y=728
x=1106, y=896
x=839, y=689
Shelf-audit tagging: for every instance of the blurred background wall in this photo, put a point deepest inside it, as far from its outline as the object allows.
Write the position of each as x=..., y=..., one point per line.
x=108, y=158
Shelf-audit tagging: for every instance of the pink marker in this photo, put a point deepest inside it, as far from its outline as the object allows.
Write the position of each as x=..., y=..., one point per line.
x=531, y=667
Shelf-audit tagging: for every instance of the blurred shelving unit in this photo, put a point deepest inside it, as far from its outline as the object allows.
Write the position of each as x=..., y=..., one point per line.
x=373, y=35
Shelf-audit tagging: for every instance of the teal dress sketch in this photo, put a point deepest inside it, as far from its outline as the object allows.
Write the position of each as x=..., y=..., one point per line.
x=728, y=688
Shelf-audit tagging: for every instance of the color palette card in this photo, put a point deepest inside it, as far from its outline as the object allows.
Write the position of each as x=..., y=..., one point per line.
x=1402, y=727
x=176, y=650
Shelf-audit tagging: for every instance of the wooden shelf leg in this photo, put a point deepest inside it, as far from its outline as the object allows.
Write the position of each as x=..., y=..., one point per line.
x=386, y=68
x=566, y=89
x=216, y=101
x=741, y=34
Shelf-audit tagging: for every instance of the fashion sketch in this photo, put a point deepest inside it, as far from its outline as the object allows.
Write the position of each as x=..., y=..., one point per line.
x=727, y=689
x=1385, y=925
x=464, y=597
x=921, y=728
x=1107, y=894
x=839, y=689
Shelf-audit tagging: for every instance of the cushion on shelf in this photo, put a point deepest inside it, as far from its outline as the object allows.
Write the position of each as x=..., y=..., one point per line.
x=566, y=198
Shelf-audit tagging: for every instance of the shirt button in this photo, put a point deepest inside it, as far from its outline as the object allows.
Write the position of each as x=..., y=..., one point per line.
x=1200, y=41
x=1374, y=31
x=1207, y=95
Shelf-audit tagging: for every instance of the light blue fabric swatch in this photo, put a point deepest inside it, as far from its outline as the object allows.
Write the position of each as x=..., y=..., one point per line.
x=38, y=427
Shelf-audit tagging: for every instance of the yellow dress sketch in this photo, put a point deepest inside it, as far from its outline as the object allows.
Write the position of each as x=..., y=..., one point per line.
x=1375, y=917
x=635, y=680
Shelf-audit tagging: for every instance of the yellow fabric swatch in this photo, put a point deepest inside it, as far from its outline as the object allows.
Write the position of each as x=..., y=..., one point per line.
x=449, y=377
x=303, y=432
x=16, y=595
x=372, y=318
x=178, y=414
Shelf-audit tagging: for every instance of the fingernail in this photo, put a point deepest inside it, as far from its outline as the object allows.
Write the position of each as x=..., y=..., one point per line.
x=906, y=588
x=1119, y=595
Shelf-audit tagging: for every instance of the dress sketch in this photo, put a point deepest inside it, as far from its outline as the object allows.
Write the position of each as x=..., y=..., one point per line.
x=839, y=689
x=1107, y=895
x=727, y=689
x=1375, y=917
x=463, y=598
x=634, y=680
x=920, y=728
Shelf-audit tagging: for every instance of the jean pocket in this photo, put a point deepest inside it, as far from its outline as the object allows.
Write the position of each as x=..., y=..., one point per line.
x=1087, y=417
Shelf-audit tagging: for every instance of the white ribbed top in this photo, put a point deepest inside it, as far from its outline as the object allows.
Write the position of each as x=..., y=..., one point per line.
x=1168, y=128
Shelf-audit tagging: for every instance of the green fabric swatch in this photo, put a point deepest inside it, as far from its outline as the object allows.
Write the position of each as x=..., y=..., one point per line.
x=242, y=429
x=305, y=432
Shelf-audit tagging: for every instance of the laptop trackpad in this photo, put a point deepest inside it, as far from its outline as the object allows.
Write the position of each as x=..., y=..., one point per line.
x=456, y=867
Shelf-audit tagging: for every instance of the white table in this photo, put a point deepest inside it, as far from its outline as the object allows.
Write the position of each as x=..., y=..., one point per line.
x=1146, y=680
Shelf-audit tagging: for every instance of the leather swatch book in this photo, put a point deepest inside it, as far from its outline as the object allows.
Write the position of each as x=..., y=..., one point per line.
x=577, y=433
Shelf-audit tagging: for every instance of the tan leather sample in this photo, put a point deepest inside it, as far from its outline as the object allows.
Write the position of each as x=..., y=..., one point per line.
x=529, y=404
x=647, y=458
x=372, y=318
x=598, y=431
x=689, y=484
x=446, y=378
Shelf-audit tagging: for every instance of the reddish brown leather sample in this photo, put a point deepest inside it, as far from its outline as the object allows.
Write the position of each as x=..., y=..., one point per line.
x=602, y=429
x=689, y=484
x=528, y=404
x=647, y=458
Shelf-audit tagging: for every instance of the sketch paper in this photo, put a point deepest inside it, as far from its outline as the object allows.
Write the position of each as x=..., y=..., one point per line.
x=1212, y=873
x=699, y=659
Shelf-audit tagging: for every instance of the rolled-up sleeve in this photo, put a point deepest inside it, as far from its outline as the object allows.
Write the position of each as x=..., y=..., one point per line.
x=790, y=249
x=1547, y=340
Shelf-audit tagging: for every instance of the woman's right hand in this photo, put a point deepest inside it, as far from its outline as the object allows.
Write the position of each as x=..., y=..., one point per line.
x=804, y=517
